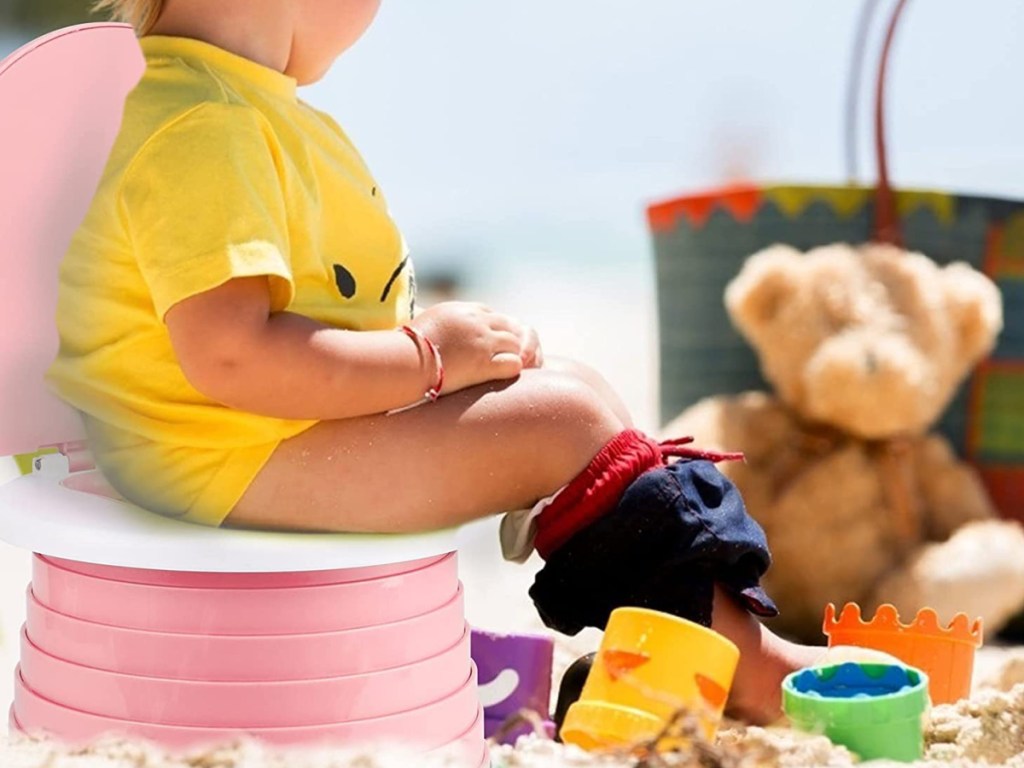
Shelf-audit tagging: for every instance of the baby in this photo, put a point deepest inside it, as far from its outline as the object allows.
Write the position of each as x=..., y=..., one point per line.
x=238, y=329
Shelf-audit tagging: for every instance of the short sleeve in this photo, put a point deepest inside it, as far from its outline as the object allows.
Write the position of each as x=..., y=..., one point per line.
x=203, y=203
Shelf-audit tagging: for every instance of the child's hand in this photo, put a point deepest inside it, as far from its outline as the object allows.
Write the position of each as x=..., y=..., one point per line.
x=531, y=353
x=478, y=344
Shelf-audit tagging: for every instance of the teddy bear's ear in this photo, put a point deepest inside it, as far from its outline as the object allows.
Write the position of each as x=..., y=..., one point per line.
x=767, y=280
x=976, y=307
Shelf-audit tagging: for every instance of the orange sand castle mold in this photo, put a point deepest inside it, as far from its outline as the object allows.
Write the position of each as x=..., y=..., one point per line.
x=945, y=654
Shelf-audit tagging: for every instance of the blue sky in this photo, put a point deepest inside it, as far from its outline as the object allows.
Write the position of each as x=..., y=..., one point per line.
x=567, y=116
x=538, y=129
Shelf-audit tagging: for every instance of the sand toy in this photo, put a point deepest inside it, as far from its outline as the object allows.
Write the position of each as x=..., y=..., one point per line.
x=514, y=671
x=874, y=710
x=944, y=654
x=650, y=669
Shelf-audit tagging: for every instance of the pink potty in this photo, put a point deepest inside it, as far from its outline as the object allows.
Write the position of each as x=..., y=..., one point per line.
x=159, y=629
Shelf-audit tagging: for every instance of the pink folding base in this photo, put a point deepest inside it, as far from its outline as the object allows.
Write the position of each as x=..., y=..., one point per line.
x=377, y=654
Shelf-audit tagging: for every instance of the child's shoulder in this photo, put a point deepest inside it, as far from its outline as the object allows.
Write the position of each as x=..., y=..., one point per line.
x=327, y=120
x=163, y=120
x=158, y=103
x=178, y=98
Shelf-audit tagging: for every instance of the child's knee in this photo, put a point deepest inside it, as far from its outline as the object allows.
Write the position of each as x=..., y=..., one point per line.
x=594, y=380
x=574, y=369
x=567, y=401
x=563, y=419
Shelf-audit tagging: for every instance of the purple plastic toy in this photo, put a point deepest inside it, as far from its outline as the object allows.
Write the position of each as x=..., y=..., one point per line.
x=514, y=673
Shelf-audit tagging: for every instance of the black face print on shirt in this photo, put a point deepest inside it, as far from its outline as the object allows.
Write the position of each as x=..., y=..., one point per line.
x=412, y=292
x=391, y=280
x=345, y=281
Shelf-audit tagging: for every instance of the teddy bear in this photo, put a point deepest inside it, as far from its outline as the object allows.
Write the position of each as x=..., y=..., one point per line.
x=864, y=347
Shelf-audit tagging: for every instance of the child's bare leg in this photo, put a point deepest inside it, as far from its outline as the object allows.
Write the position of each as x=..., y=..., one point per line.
x=596, y=382
x=481, y=451
x=765, y=659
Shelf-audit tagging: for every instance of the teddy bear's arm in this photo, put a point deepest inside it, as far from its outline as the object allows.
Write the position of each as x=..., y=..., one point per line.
x=978, y=571
x=951, y=490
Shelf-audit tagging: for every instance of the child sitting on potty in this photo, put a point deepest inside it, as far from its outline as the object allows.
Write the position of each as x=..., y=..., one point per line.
x=238, y=329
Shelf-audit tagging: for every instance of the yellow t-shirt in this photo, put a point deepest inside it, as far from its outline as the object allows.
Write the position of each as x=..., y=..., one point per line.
x=218, y=172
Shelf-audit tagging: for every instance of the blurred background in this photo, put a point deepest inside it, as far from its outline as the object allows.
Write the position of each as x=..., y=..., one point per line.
x=519, y=143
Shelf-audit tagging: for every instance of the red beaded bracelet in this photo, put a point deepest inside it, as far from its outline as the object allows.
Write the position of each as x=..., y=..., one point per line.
x=434, y=392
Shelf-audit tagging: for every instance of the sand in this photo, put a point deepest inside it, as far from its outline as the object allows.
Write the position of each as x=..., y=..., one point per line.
x=987, y=729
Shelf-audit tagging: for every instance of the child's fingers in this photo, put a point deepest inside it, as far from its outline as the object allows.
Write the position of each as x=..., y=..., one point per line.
x=537, y=359
x=506, y=365
x=533, y=356
x=506, y=341
x=506, y=324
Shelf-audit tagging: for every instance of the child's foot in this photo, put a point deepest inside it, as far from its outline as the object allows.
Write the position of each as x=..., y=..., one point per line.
x=756, y=695
x=754, y=698
x=765, y=660
x=840, y=654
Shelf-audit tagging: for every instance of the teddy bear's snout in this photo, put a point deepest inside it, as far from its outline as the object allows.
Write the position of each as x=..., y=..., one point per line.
x=870, y=362
x=872, y=387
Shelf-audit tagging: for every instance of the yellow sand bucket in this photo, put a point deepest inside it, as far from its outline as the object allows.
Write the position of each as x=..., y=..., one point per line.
x=650, y=666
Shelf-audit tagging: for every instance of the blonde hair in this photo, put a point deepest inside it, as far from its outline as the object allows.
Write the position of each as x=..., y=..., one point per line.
x=141, y=14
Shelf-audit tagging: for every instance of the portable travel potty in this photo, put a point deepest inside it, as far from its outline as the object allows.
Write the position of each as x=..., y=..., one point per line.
x=159, y=629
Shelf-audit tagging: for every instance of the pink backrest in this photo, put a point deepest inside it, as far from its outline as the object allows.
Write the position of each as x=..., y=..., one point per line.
x=61, y=99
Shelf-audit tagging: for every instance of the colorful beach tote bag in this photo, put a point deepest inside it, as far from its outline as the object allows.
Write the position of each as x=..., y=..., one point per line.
x=701, y=241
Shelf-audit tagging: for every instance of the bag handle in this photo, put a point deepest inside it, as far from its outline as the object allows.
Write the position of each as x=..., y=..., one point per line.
x=887, y=222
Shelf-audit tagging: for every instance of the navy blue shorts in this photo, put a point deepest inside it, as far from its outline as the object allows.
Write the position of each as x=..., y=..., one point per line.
x=676, y=532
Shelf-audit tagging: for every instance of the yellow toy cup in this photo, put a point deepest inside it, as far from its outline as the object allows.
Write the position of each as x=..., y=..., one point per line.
x=650, y=666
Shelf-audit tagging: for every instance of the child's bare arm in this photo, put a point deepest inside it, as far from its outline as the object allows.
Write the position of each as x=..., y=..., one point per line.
x=233, y=350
